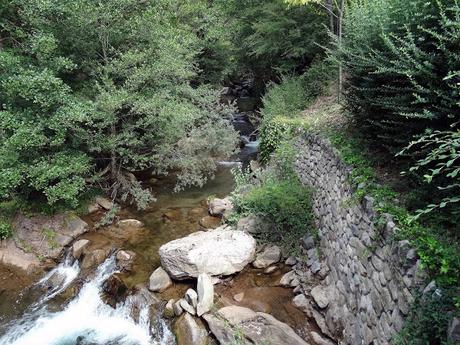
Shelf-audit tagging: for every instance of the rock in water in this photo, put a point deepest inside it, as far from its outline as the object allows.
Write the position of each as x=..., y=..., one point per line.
x=79, y=247
x=270, y=255
x=219, y=207
x=190, y=331
x=159, y=280
x=205, y=294
x=258, y=328
x=217, y=252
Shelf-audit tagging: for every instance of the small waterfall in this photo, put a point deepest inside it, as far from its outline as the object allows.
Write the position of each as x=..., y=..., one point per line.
x=87, y=319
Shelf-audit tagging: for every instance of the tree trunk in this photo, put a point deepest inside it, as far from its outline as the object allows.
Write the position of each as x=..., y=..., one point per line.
x=339, y=37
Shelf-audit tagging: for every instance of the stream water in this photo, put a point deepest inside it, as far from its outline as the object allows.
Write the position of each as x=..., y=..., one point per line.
x=67, y=307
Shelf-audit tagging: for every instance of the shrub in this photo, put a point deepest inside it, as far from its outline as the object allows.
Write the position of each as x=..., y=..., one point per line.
x=6, y=231
x=287, y=204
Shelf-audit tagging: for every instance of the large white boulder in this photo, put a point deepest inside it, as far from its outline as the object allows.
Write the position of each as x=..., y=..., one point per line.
x=222, y=251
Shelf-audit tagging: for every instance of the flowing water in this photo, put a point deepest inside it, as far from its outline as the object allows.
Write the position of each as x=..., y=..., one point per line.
x=67, y=306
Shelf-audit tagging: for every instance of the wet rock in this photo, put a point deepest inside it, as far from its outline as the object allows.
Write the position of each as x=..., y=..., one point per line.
x=190, y=331
x=271, y=269
x=125, y=259
x=106, y=204
x=159, y=280
x=79, y=247
x=289, y=279
x=257, y=328
x=217, y=252
x=239, y=297
x=270, y=255
x=191, y=297
x=172, y=215
x=130, y=223
x=186, y=306
x=205, y=290
x=94, y=258
x=44, y=236
x=168, y=312
x=320, y=296
x=115, y=290
x=210, y=222
x=219, y=207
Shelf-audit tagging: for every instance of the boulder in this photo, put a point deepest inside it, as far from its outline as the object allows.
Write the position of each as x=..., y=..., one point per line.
x=291, y=261
x=256, y=328
x=159, y=280
x=177, y=308
x=46, y=236
x=94, y=258
x=79, y=247
x=219, y=207
x=253, y=224
x=190, y=331
x=125, y=259
x=130, y=223
x=217, y=252
x=205, y=290
x=210, y=222
x=105, y=203
x=168, y=312
x=186, y=306
x=289, y=279
x=191, y=297
x=320, y=296
x=270, y=255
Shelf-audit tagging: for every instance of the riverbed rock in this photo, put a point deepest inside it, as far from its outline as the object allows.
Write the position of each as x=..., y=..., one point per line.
x=125, y=259
x=177, y=308
x=220, y=207
x=190, y=331
x=105, y=203
x=217, y=252
x=270, y=255
x=114, y=290
x=191, y=297
x=320, y=296
x=320, y=340
x=94, y=258
x=79, y=247
x=253, y=224
x=12, y=255
x=168, y=312
x=205, y=290
x=130, y=223
x=239, y=297
x=187, y=307
x=159, y=280
x=258, y=328
x=46, y=236
x=210, y=222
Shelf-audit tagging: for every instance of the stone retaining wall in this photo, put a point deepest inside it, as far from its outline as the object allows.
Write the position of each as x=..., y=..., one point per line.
x=370, y=275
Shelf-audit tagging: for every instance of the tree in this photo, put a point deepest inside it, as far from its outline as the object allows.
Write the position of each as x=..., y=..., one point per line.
x=130, y=84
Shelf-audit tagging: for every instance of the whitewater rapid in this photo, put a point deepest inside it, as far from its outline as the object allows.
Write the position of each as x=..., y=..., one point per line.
x=87, y=319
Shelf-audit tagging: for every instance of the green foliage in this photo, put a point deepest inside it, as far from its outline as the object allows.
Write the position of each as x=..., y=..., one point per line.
x=287, y=204
x=6, y=231
x=278, y=196
x=270, y=37
x=438, y=255
x=93, y=91
x=402, y=60
x=283, y=103
x=429, y=319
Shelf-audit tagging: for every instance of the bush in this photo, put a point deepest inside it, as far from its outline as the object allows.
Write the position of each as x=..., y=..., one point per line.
x=287, y=204
x=6, y=231
x=429, y=319
x=402, y=62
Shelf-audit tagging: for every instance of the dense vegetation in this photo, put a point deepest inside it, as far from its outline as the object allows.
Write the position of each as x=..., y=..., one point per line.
x=92, y=92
